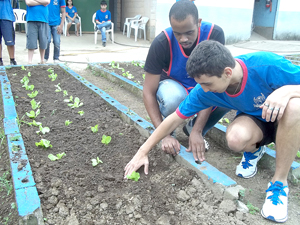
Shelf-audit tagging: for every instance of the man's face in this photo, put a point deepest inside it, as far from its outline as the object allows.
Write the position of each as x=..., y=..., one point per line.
x=186, y=31
x=103, y=7
x=213, y=83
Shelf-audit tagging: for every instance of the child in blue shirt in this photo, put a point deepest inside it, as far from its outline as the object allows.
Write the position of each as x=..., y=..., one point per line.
x=71, y=16
x=103, y=21
x=265, y=90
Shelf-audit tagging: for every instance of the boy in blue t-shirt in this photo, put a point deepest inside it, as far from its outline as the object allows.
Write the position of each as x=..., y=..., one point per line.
x=7, y=30
x=71, y=16
x=103, y=21
x=264, y=88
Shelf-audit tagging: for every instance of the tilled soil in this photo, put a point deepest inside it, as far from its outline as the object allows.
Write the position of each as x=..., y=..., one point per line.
x=72, y=191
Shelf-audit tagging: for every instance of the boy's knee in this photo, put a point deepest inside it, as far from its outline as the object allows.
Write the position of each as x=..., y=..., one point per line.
x=237, y=139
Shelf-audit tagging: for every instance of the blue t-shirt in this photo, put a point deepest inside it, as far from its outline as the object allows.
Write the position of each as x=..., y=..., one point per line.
x=54, y=11
x=71, y=12
x=6, y=11
x=263, y=72
x=37, y=13
x=103, y=16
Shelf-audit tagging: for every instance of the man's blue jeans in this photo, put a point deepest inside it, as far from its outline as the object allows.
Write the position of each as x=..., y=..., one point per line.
x=169, y=96
x=56, y=42
x=102, y=27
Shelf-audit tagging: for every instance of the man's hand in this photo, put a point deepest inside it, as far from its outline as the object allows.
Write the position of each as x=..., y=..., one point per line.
x=170, y=145
x=139, y=159
x=60, y=29
x=197, y=146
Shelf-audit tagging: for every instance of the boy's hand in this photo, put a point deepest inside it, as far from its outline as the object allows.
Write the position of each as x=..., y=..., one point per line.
x=170, y=145
x=139, y=159
x=197, y=146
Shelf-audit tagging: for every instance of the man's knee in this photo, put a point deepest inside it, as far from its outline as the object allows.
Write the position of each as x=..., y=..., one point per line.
x=237, y=137
x=292, y=111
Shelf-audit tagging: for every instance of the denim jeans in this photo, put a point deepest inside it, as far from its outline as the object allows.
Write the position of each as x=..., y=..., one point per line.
x=169, y=96
x=56, y=41
x=102, y=27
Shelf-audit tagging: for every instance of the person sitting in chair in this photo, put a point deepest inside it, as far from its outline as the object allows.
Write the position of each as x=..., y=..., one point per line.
x=103, y=21
x=71, y=15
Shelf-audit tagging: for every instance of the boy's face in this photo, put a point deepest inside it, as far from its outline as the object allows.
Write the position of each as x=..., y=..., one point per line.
x=213, y=83
x=103, y=7
x=186, y=31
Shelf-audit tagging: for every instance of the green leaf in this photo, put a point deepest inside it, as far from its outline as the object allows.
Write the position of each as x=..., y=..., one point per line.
x=134, y=176
x=298, y=154
x=33, y=94
x=96, y=161
x=65, y=93
x=226, y=120
x=68, y=122
x=43, y=143
x=106, y=139
x=34, y=104
x=44, y=130
x=60, y=155
x=31, y=115
x=81, y=113
x=52, y=157
x=95, y=128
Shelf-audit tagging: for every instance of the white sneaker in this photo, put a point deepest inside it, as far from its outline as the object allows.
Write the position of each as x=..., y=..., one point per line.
x=56, y=61
x=275, y=207
x=248, y=165
x=45, y=61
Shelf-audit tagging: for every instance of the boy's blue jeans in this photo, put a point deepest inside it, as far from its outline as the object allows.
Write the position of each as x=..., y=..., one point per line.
x=102, y=27
x=56, y=41
x=169, y=96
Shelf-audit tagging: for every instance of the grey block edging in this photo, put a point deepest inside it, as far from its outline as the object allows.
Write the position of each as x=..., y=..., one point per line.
x=217, y=132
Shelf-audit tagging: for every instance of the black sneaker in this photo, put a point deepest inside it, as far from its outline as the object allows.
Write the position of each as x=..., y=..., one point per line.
x=103, y=44
x=1, y=63
x=96, y=28
x=13, y=63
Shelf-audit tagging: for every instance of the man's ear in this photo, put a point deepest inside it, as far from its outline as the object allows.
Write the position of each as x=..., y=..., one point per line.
x=199, y=22
x=228, y=72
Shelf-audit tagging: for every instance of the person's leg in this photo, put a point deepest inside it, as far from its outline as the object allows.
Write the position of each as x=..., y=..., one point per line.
x=78, y=29
x=32, y=36
x=169, y=95
x=43, y=39
x=46, y=57
x=8, y=33
x=68, y=27
x=56, y=42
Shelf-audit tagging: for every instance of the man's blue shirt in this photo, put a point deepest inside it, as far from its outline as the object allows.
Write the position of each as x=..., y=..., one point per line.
x=6, y=11
x=54, y=11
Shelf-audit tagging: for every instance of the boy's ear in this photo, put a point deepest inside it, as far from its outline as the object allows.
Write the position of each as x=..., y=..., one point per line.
x=228, y=72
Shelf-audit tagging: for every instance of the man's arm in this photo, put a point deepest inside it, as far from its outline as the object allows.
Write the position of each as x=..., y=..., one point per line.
x=63, y=17
x=141, y=157
x=37, y=2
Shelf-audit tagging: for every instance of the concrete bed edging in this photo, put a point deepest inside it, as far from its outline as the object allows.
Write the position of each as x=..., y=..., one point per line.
x=217, y=133
x=27, y=199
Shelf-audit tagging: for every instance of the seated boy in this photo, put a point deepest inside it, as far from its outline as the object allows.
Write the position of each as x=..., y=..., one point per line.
x=264, y=88
x=103, y=21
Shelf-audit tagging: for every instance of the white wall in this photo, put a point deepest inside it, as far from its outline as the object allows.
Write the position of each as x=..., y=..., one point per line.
x=287, y=20
x=234, y=16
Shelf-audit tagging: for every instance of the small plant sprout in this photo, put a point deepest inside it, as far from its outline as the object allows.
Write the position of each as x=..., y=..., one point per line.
x=76, y=103
x=298, y=154
x=34, y=123
x=144, y=76
x=252, y=208
x=128, y=75
x=68, y=122
x=34, y=104
x=50, y=70
x=32, y=114
x=95, y=129
x=53, y=76
x=58, y=88
x=57, y=157
x=106, y=139
x=96, y=161
x=33, y=94
x=81, y=113
x=134, y=176
x=43, y=143
x=69, y=100
x=44, y=130
x=15, y=148
x=23, y=68
x=65, y=93
x=24, y=80
x=222, y=120
x=29, y=74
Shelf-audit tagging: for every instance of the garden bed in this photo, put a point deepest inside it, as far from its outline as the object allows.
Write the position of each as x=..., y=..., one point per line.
x=73, y=191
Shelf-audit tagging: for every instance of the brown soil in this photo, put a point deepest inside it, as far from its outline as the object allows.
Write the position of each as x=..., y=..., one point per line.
x=72, y=191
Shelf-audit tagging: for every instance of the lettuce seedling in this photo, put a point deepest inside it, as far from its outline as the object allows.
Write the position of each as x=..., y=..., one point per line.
x=50, y=70
x=144, y=76
x=65, y=93
x=34, y=104
x=24, y=80
x=134, y=176
x=298, y=154
x=81, y=113
x=44, y=130
x=36, y=124
x=43, y=143
x=68, y=122
x=106, y=139
x=96, y=161
x=57, y=157
x=32, y=114
x=95, y=129
x=53, y=76
x=29, y=87
x=58, y=88
x=23, y=68
x=29, y=74
x=76, y=103
x=33, y=94
x=69, y=100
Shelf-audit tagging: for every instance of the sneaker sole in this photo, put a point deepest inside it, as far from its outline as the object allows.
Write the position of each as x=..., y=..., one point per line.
x=272, y=218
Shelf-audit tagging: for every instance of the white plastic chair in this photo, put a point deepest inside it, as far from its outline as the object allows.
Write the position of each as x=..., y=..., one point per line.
x=139, y=25
x=66, y=23
x=20, y=17
x=127, y=24
x=111, y=30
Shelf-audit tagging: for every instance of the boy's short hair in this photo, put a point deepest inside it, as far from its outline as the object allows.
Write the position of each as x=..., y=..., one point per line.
x=103, y=3
x=181, y=9
x=209, y=58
